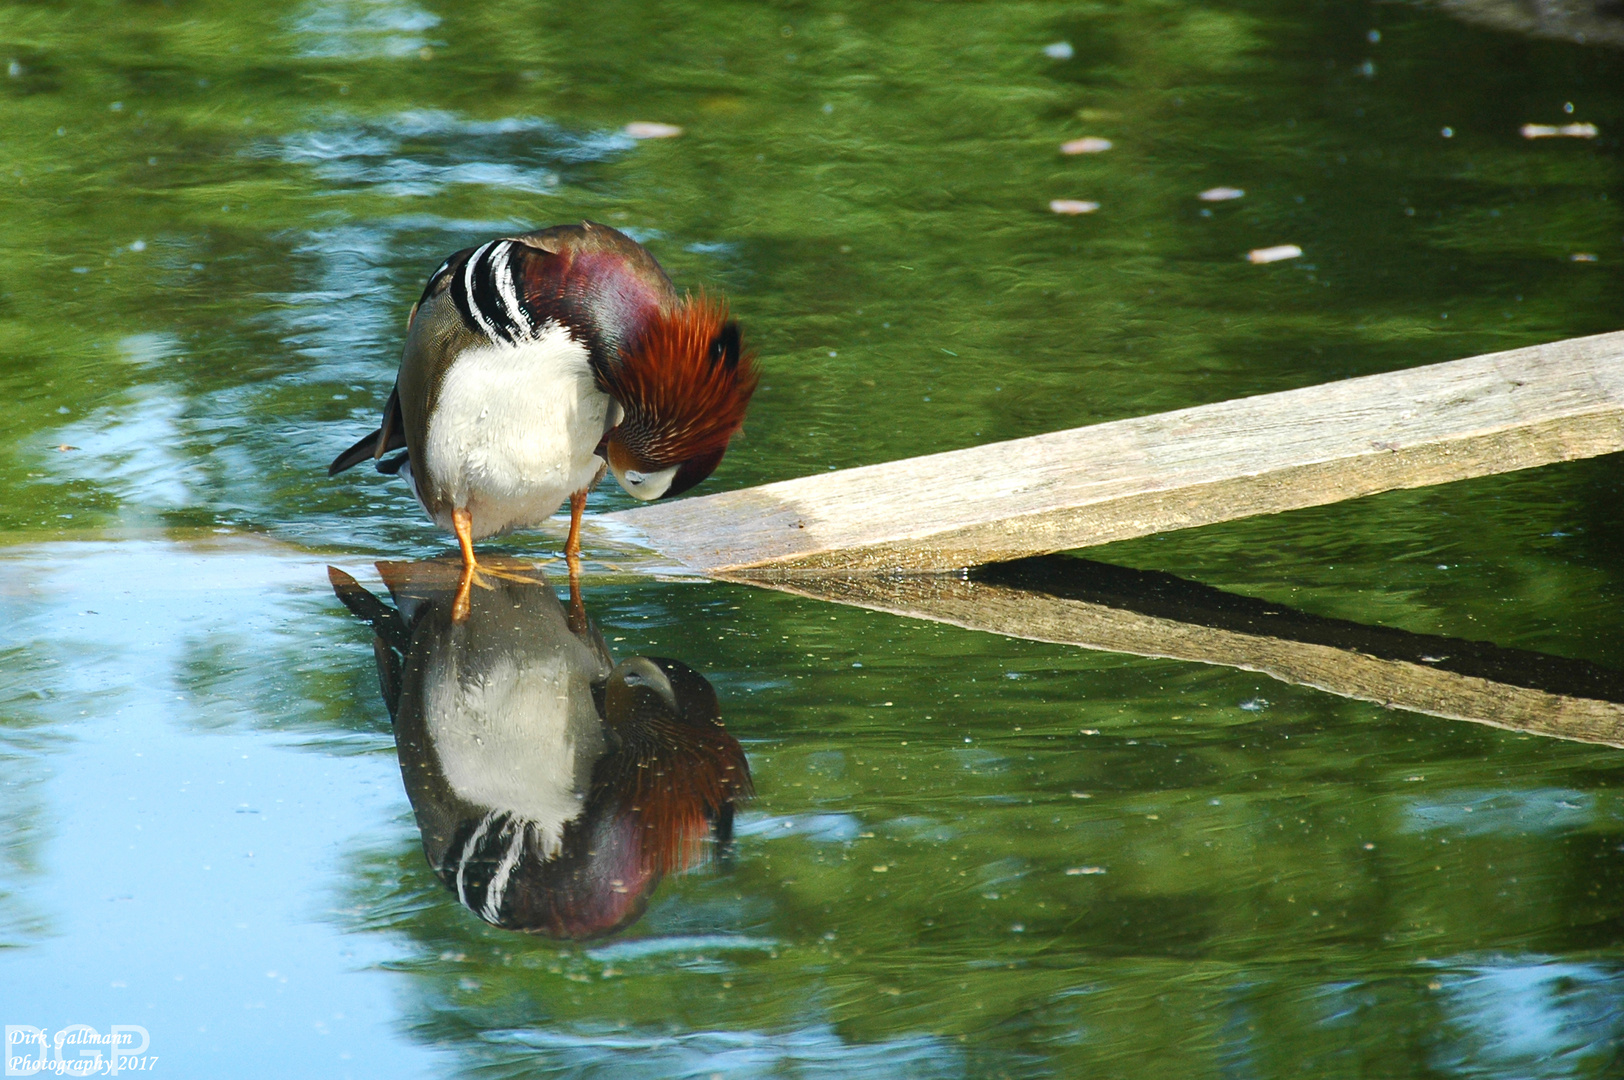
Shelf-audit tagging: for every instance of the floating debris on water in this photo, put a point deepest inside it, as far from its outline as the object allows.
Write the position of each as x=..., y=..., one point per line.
x=1256, y=704
x=1060, y=50
x=1273, y=254
x=1582, y=256
x=1221, y=194
x=1088, y=144
x=1073, y=206
x=1559, y=131
x=649, y=129
x=1077, y=870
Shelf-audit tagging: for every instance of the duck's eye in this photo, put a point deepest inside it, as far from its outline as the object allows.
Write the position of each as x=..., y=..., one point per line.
x=634, y=477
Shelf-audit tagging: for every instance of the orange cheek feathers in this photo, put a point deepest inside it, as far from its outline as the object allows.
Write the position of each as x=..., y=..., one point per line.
x=621, y=458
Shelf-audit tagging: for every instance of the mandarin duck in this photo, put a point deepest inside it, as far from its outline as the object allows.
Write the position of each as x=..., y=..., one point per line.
x=533, y=363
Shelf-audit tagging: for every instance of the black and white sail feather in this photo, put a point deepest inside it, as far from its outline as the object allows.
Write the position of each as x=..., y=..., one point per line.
x=487, y=291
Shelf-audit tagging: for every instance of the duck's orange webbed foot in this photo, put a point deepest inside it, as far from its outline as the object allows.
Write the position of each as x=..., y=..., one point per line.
x=473, y=571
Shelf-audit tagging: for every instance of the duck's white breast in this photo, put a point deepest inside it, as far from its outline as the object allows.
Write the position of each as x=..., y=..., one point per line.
x=513, y=430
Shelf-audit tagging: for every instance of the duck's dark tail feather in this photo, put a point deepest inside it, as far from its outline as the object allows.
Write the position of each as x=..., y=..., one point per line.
x=356, y=454
x=391, y=435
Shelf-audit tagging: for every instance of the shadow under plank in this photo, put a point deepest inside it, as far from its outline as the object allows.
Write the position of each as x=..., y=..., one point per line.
x=1072, y=601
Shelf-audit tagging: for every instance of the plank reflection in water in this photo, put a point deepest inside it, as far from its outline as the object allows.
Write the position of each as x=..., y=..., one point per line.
x=553, y=787
x=1094, y=605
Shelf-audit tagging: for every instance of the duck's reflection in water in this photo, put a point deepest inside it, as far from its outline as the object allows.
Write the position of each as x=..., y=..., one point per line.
x=553, y=787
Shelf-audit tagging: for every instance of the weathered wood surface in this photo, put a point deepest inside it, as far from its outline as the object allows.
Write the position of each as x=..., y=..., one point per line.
x=1093, y=485
x=1445, y=677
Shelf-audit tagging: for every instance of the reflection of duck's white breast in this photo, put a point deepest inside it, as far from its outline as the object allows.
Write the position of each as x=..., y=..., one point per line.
x=517, y=734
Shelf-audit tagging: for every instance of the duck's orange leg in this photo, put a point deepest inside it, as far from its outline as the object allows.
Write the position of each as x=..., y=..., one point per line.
x=572, y=546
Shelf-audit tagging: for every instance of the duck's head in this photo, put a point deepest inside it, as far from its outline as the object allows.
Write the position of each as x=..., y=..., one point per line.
x=682, y=386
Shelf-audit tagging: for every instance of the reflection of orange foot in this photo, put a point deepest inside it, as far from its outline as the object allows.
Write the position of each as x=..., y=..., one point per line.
x=461, y=606
x=577, y=611
x=479, y=574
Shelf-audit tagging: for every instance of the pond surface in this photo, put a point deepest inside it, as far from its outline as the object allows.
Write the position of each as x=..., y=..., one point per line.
x=967, y=855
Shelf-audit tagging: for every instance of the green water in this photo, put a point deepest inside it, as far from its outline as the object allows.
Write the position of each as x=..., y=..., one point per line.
x=216, y=216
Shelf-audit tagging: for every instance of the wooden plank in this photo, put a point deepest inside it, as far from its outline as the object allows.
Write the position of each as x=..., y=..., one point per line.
x=1445, y=677
x=1093, y=485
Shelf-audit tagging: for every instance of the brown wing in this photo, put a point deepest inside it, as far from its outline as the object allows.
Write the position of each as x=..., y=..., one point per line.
x=595, y=280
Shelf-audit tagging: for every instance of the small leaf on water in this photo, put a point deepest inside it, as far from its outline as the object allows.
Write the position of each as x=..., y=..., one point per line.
x=648, y=129
x=1273, y=254
x=1560, y=131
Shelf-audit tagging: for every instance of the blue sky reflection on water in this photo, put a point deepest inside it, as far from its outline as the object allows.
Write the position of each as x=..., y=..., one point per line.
x=1521, y=1015
x=192, y=837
